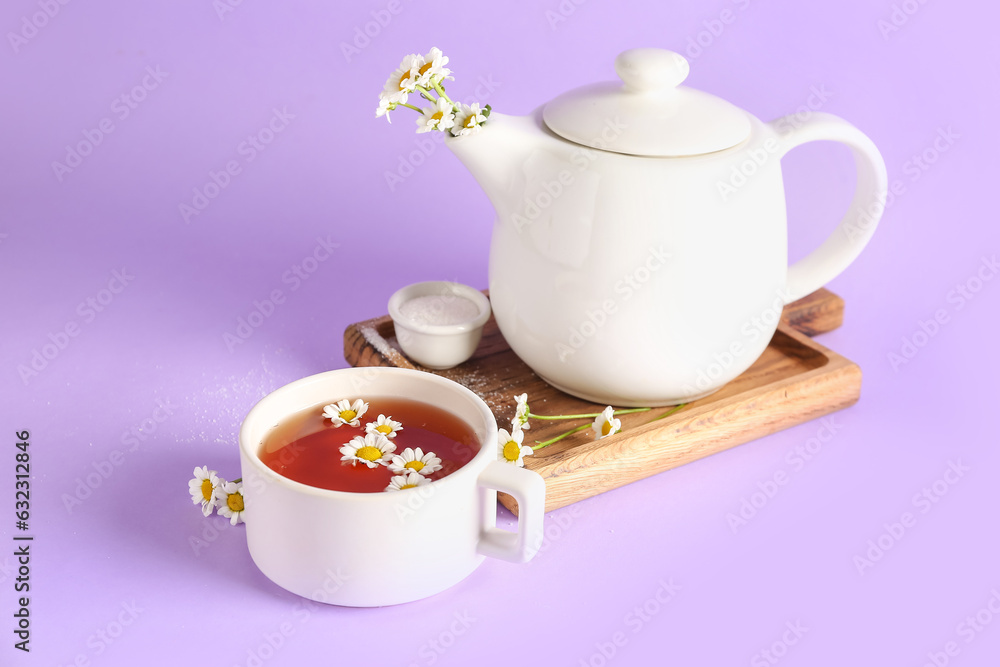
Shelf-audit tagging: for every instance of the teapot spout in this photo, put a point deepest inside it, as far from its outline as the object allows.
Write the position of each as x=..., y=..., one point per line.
x=497, y=154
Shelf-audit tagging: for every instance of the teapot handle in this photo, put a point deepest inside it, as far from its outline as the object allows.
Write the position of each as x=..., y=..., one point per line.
x=857, y=226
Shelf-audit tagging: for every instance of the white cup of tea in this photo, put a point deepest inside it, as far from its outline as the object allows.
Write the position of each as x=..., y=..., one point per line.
x=375, y=549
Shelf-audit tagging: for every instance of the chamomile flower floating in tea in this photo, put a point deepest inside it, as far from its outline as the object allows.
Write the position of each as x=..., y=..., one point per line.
x=229, y=499
x=384, y=425
x=373, y=450
x=407, y=481
x=414, y=460
x=510, y=449
x=425, y=75
x=606, y=424
x=344, y=412
x=202, y=488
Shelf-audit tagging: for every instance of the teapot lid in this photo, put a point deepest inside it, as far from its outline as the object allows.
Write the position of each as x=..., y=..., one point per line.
x=651, y=114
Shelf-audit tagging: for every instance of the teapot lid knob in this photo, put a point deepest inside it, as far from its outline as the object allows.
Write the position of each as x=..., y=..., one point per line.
x=651, y=70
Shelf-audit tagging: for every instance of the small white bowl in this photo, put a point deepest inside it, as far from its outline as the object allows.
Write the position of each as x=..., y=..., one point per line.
x=428, y=337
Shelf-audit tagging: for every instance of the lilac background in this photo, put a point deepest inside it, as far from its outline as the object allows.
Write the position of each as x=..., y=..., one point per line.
x=161, y=339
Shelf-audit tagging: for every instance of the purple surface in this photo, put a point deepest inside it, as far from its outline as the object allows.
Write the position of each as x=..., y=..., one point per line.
x=123, y=553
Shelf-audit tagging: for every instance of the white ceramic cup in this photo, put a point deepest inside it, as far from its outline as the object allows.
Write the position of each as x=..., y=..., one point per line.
x=374, y=549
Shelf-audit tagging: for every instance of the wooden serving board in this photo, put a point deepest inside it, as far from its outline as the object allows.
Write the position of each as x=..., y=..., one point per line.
x=795, y=380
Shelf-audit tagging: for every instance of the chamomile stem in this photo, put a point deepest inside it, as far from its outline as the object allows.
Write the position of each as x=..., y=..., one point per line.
x=410, y=106
x=670, y=411
x=440, y=91
x=568, y=433
x=532, y=415
x=426, y=94
x=237, y=480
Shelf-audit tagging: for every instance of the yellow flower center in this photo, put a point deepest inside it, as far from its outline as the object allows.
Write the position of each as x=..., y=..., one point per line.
x=235, y=502
x=415, y=465
x=438, y=116
x=471, y=120
x=402, y=79
x=369, y=453
x=348, y=415
x=206, y=489
x=407, y=486
x=425, y=67
x=606, y=429
x=384, y=429
x=511, y=450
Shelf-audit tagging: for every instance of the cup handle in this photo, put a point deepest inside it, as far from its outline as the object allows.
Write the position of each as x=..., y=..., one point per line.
x=857, y=226
x=528, y=488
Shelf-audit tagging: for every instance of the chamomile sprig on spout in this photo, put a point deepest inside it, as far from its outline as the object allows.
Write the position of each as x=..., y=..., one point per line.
x=424, y=75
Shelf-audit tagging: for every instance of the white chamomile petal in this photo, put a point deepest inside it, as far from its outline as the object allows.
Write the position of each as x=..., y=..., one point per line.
x=373, y=450
x=407, y=481
x=520, y=419
x=510, y=449
x=385, y=426
x=344, y=412
x=433, y=69
x=229, y=499
x=468, y=120
x=606, y=424
x=403, y=81
x=439, y=117
x=414, y=460
x=202, y=488
x=384, y=107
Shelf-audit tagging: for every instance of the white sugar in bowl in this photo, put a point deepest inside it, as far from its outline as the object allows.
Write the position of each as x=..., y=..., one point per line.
x=439, y=323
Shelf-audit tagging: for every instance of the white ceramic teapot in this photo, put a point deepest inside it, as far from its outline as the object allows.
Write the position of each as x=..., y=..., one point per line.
x=639, y=254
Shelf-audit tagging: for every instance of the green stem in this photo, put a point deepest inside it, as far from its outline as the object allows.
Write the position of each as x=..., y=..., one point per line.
x=410, y=106
x=593, y=415
x=440, y=91
x=237, y=480
x=426, y=94
x=559, y=437
x=671, y=411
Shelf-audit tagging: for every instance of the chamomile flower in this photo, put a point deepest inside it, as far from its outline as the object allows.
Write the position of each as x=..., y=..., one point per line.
x=373, y=450
x=384, y=107
x=433, y=69
x=606, y=424
x=403, y=81
x=229, y=498
x=202, y=488
x=520, y=419
x=414, y=460
x=407, y=481
x=510, y=449
x=441, y=116
x=468, y=120
x=344, y=412
x=384, y=425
